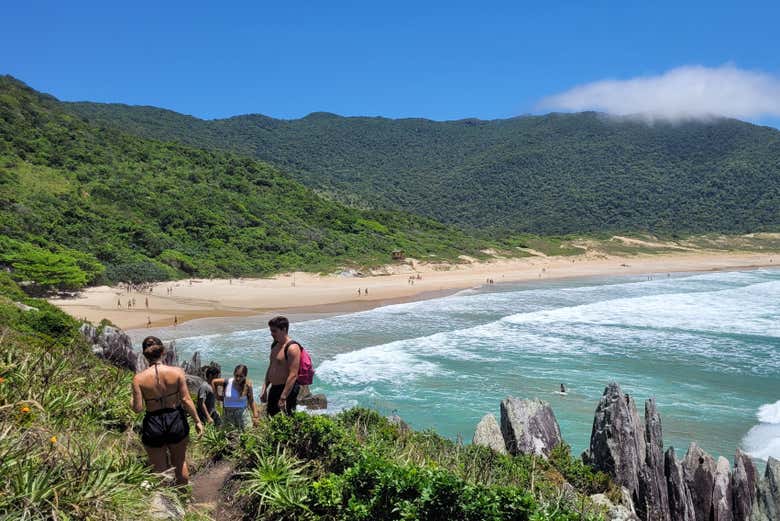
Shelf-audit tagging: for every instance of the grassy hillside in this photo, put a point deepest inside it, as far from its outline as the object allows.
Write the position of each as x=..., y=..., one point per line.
x=80, y=204
x=554, y=174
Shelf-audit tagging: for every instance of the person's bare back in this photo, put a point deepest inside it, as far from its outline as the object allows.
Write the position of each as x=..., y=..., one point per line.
x=161, y=386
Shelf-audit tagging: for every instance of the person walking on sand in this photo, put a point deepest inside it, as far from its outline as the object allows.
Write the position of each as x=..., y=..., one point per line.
x=280, y=387
x=237, y=399
x=207, y=400
x=162, y=390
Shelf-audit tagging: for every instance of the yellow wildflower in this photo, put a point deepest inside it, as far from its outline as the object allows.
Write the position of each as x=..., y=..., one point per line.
x=2, y=379
x=53, y=440
x=24, y=409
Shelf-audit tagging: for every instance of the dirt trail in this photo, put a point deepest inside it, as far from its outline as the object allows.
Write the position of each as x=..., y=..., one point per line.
x=207, y=487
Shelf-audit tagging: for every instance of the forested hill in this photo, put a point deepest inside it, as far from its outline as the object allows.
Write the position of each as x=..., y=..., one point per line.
x=80, y=204
x=551, y=174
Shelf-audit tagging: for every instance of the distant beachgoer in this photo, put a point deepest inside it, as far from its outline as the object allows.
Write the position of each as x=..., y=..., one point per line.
x=207, y=399
x=237, y=399
x=563, y=389
x=147, y=302
x=175, y=320
x=148, y=322
x=365, y=291
x=280, y=387
x=119, y=303
x=163, y=391
x=359, y=292
x=133, y=299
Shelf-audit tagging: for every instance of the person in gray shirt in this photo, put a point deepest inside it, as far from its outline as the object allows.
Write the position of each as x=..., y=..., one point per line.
x=207, y=401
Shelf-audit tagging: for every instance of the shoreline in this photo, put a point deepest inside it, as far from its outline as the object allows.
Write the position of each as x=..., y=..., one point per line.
x=311, y=294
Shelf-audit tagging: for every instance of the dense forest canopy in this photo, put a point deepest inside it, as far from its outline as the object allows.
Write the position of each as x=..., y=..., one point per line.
x=553, y=174
x=81, y=204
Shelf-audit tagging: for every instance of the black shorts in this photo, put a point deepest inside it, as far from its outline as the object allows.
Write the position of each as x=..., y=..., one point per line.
x=273, y=399
x=164, y=427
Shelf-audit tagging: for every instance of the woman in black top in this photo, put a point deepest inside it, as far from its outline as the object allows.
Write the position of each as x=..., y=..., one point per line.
x=163, y=391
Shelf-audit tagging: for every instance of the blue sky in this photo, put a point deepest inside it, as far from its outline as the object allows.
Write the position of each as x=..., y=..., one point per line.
x=439, y=60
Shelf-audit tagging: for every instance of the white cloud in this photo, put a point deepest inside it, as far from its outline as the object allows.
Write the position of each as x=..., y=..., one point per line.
x=690, y=92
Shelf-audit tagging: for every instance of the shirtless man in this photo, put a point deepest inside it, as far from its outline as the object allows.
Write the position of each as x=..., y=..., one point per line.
x=280, y=389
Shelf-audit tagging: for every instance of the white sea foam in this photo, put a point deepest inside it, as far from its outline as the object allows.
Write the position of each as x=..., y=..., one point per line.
x=769, y=413
x=385, y=363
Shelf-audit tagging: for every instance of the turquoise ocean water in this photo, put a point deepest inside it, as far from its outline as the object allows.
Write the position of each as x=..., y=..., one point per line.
x=707, y=346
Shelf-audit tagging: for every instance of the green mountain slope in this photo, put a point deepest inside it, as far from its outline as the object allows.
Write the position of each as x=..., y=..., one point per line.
x=560, y=173
x=75, y=199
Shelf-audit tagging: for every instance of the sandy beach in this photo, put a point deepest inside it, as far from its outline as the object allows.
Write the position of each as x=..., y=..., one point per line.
x=185, y=300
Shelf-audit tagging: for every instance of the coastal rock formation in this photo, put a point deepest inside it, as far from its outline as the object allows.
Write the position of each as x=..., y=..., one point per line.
x=680, y=501
x=616, y=442
x=314, y=401
x=699, y=469
x=744, y=483
x=653, y=498
x=193, y=366
x=488, y=434
x=616, y=512
x=722, y=495
x=111, y=344
x=767, y=506
x=529, y=427
x=163, y=507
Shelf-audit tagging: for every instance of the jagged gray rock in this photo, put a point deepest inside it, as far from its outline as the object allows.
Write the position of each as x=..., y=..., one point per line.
x=193, y=366
x=163, y=507
x=314, y=401
x=398, y=422
x=699, y=469
x=722, y=494
x=680, y=501
x=111, y=344
x=529, y=427
x=193, y=383
x=488, y=434
x=616, y=441
x=653, y=498
x=614, y=512
x=744, y=482
x=767, y=506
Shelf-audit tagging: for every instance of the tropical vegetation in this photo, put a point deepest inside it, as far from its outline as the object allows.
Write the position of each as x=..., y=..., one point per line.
x=547, y=175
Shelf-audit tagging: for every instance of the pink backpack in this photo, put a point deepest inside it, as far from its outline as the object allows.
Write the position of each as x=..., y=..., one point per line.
x=306, y=368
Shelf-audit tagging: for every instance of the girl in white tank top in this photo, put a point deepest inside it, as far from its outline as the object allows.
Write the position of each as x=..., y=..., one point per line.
x=238, y=399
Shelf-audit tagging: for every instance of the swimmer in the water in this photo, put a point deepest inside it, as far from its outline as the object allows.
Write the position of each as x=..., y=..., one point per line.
x=563, y=389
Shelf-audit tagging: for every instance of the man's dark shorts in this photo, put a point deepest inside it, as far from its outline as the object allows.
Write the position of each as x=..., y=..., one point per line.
x=273, y=399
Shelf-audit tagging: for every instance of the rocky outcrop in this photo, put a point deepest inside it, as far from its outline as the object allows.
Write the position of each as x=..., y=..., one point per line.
x=616, y=442
x=653, y=500
x=529, y=427
x=615, y=512
x=744, y=485
x=488, y=434
x=767, y=505
x=314, y=401
x=699, y=469
x=164, y=507
x=722, y=496
x=193, y=366
x=680, y=501
x=111, y=344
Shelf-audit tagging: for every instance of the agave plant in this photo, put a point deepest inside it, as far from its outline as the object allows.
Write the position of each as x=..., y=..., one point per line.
x=279, y=483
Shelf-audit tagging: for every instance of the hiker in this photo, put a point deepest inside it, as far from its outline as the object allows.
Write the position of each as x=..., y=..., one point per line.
x=207, y=400
x=237, y=399
x=280, y=388
x=163, y=391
